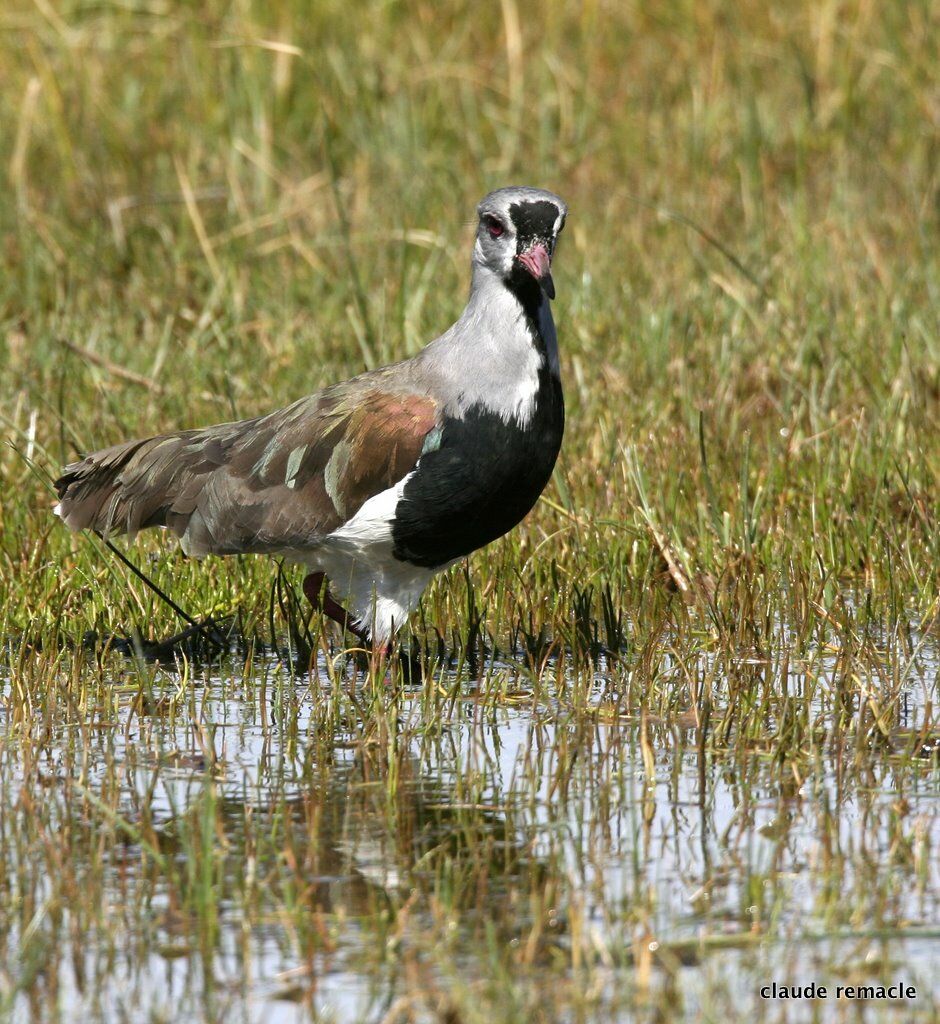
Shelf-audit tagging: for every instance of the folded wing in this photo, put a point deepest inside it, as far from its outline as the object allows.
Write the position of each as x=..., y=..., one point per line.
x=280, y=482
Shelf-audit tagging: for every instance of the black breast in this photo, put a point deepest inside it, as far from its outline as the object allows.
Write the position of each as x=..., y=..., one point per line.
x=483, y=479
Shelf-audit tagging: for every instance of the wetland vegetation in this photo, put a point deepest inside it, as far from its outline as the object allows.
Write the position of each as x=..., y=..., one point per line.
x=672, y=740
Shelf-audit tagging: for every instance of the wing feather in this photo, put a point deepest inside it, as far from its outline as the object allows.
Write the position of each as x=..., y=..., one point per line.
x=277, y=482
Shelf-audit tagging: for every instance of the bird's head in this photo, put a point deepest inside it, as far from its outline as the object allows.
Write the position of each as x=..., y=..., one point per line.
x=517, y=235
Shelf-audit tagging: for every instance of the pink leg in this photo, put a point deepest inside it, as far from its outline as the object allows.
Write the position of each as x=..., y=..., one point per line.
x=321, y=599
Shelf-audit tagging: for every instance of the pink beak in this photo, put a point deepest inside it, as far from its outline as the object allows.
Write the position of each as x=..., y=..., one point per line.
x=538, y=263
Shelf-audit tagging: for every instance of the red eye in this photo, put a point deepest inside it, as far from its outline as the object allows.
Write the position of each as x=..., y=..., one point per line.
x=494, y=226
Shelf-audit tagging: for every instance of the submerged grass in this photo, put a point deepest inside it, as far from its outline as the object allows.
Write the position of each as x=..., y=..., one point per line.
x=677, y=734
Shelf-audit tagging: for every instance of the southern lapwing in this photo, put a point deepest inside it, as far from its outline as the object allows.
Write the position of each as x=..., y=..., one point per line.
x=379, y=482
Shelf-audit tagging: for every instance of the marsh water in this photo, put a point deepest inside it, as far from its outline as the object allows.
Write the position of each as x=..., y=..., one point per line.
x=264, y=845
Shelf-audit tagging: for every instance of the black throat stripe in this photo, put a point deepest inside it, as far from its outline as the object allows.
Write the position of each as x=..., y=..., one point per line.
x=487, y=473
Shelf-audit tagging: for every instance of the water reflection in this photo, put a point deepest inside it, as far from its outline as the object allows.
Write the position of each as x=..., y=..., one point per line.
x=288, y=848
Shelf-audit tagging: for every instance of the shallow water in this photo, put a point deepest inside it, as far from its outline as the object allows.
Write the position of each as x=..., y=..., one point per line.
x=324, y=857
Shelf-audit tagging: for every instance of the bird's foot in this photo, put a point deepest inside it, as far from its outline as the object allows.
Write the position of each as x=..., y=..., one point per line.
x=201, y=641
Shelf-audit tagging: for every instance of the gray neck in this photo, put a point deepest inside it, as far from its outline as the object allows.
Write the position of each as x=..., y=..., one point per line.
x=489, y=358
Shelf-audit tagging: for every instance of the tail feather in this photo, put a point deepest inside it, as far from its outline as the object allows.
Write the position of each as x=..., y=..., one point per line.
x=132, y=486
x=215, y=488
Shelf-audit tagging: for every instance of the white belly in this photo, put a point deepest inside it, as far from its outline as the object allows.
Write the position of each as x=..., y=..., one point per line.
x=379, y=591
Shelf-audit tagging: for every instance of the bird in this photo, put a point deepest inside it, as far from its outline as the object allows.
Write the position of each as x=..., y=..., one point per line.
x=377, y=483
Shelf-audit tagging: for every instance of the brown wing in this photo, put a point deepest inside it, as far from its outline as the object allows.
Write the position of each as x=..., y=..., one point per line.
x=282, y=481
